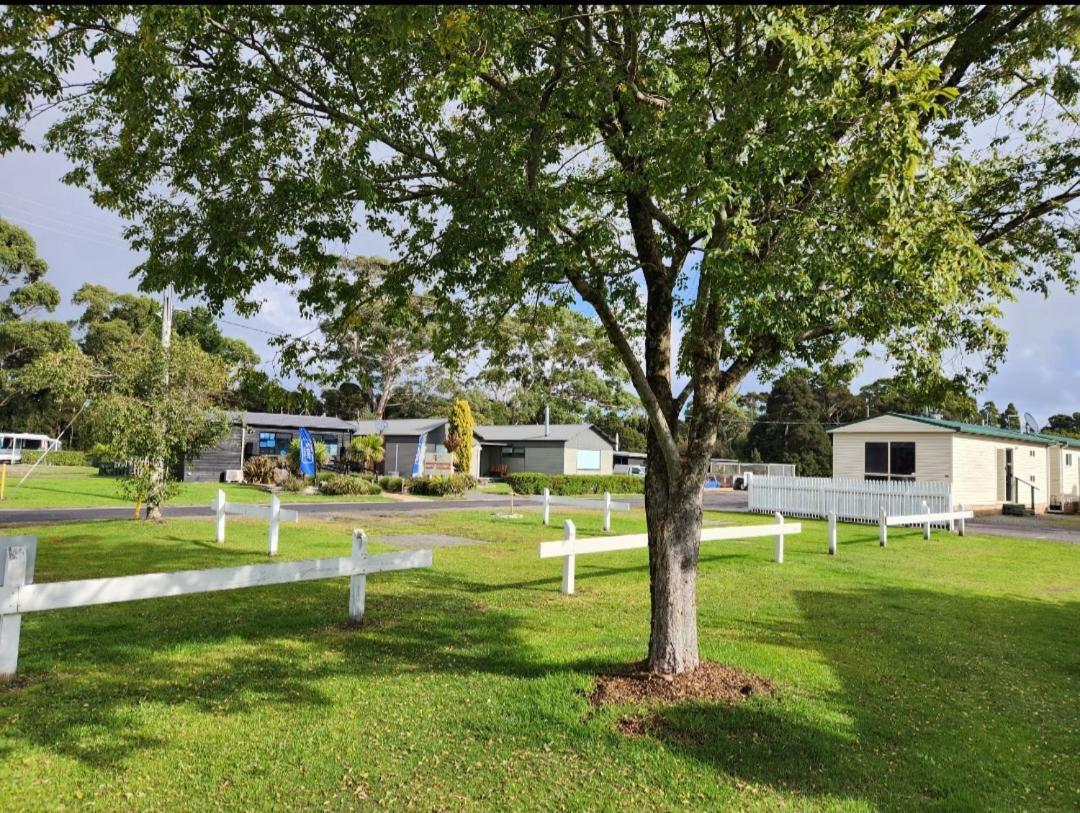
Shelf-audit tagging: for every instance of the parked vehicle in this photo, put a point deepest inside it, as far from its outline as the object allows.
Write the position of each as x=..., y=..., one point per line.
x=13, y=444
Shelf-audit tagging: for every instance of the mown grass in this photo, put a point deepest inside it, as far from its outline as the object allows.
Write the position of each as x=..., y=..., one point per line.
x=937, y=675
x=88, y=490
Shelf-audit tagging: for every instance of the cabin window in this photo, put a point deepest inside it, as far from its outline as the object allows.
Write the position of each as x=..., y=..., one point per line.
x=1068, y=460
x=513, y=451
x=330, y=441
x=274, y=443
x=889, y=461
x=877, y=458
x=588, y=460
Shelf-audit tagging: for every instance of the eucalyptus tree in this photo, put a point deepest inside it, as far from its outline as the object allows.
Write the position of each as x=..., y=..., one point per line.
x=728, y=188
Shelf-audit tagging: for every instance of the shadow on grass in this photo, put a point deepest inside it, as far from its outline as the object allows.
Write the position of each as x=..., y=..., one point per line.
x=941, y=702
x=88, y=668
x=945, y=702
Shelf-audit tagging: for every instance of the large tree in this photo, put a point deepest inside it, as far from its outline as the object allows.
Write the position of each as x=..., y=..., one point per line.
x=779, y=182
x=368, y=339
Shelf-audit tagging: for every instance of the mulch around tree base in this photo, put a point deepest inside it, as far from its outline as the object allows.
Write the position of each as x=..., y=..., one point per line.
x=713, y=682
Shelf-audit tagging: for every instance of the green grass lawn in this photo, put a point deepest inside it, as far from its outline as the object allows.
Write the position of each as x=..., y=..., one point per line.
x=85, y=489
x=926, y=676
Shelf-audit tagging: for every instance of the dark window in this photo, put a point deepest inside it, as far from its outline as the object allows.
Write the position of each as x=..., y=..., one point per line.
x=274, y=442
x=902, y=459
x=877, y=458
x=1068, y=460
x=513, y=451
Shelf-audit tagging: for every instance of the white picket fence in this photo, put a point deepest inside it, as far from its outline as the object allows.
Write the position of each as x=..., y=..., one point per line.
x=19, y=594
x=570, y=547
x=850, y=499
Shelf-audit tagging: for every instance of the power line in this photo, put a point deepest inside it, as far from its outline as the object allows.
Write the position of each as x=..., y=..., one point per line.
x=23, y=221
x=96, y=221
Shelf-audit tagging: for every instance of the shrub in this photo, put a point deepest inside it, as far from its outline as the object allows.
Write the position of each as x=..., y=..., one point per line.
x=61, y=458
x=391, y=484
x=437, y=486
x=260, y=469
x=348, y=484
x=294, y=484
x=571, y=485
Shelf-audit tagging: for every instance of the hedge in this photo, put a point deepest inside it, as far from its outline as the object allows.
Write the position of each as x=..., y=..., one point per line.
x=571, y=485
x=70, y=457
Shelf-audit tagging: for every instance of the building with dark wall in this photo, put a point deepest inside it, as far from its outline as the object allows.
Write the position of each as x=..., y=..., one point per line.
x=266, y=433
x=269, y=433
x=567, y=448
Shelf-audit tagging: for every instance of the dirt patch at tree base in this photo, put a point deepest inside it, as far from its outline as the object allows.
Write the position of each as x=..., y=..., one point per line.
x=711, y=682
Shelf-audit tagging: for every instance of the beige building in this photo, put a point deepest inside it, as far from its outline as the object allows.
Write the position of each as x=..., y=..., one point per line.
x=987, y=466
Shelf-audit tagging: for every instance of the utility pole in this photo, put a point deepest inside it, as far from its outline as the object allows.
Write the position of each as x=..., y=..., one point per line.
x=157, y=478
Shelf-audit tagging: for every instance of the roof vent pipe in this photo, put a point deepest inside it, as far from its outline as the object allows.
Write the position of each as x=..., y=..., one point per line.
x=547, y=420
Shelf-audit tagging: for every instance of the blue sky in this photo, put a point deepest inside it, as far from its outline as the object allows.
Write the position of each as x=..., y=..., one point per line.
x=82, y=243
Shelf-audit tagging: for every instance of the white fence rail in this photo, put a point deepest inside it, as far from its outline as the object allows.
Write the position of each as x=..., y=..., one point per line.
x=18, y=593
x=570, y=547
x=850, y=499
x=604, y=504
x=926, y=519
x=273, y=512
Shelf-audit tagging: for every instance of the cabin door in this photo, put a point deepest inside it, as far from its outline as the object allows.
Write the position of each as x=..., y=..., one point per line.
x=1010, y=484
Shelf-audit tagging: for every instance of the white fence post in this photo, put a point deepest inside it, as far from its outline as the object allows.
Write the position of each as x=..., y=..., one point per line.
x=926, y=525
x=568, y=560
x=219, y=508
x=17, y=554
x=883, y=531
x=832, y=533
x=780, y=540
x=547, y=506
x=275, y=515
x=14, y=577
x=607, y=510
x=961, y=527
x=358, y=583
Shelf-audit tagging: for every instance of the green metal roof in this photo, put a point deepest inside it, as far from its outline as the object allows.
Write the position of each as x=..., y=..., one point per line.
x=986, y=431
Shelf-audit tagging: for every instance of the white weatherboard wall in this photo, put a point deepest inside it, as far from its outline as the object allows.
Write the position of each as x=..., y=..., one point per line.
x=852, y=500
x=979, y=470
x=933, y=452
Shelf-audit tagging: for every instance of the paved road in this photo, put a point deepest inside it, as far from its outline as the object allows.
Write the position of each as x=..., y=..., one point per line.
x=715, y=500
x=39, y=516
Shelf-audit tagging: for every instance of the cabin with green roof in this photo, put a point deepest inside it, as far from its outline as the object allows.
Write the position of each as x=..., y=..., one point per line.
x=987, y=466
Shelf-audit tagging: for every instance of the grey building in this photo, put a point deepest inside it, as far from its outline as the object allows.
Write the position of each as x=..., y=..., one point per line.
x=401, y=439
x=266, y=433
x=568, y=448
x=269, y=433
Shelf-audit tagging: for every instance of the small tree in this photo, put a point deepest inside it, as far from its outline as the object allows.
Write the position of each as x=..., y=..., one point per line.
x=142, y=419
x=459, y=439
x=367, y=450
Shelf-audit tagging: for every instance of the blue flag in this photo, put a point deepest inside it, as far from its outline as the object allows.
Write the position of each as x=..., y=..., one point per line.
x=418, y=463
x=307, y=454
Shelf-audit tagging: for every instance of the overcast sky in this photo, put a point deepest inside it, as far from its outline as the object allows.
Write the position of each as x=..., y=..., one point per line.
x=82, y=243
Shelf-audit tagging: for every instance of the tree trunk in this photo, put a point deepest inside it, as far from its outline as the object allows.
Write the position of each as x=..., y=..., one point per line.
x=674, y=520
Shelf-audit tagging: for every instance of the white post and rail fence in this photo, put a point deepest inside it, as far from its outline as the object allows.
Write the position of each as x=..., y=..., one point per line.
x=604, y=504
x=273, y=512
x=570, y=547
x=19, y=594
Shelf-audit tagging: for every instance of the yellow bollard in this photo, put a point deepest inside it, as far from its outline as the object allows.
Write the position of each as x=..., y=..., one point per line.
x=3, y=480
